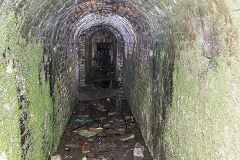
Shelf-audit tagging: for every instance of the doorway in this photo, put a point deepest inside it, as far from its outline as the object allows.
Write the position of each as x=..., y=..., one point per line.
x=101, y=60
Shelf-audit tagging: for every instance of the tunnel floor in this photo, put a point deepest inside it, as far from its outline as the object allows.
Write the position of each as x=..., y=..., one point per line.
x=100, y=131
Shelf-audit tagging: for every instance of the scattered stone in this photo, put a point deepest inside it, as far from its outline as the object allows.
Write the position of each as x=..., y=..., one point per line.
x=107, y=147
x=120, y=121
x=100, y=156
x=107, y=125
x=96, y=130
x=76, y=146
x=91, y=155
x=111, y=131
x=85, y=148
x=102, y=135
x=129, y=118
x=125, y=146
x=57, y=157
x=83, y=116
x=66, y=149
x=101, y=108
x=131, y=125
x=113, y=113
x=120, y=131
x=87, y=134
x=128, y=137
x=101, y=118
x=79, y=129
x=90, y=140
x=132, y=118
x=111, y=121
x=81, y=109
x=138, y=151
x=83, y=120
x=94, y=125
x=66, y=156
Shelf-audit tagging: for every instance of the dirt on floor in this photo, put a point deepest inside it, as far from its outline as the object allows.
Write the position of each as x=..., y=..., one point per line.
x=102, y=130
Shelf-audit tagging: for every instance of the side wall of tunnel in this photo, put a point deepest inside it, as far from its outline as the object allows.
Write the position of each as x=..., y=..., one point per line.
x=182, y=83
x=37, y=92
x=184, y=95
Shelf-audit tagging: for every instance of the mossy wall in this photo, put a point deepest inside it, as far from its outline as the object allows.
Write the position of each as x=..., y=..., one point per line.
x=185, y=96
x=34, y=109
x=203, y=121
x=182, y=81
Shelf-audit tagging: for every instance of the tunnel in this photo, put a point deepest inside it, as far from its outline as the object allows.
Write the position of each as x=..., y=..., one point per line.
x=173, y=63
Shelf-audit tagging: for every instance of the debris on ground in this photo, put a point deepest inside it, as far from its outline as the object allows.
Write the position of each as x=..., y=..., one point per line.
x=125, y=146
x=128, y=137
x=102, y=135
x=79, y=129
x=111, y=131
x=101, y=108
x=83, y=116
x=83, y=120
x=120, y=131
x=113, y=113
x=102, y=118
x=56, y=157
x=107, y=147
x=72, y=146
x=84, y=158
x=138, y=151
x=85, y=148
x=127, y=118
x=87, y=134
x=96, y=130
x=66, y=149
x=106, y=125
x=91, y=155
x=67, y=157
x=111, y=121
x=95, y=135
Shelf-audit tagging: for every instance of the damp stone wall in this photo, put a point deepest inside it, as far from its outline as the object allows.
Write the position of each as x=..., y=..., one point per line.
x=37, y=92
x=180, y=73
x=185, y=94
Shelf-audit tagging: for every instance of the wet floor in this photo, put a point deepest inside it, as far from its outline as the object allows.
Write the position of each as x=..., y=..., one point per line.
x=98, y=130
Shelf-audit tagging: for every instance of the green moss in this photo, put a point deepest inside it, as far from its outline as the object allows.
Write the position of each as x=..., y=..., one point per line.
x=9, y=110
x=21, y=68
x=202, y=123
x=57, y=118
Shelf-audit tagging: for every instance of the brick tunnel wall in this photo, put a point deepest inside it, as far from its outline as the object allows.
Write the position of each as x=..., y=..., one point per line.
x=181, y=77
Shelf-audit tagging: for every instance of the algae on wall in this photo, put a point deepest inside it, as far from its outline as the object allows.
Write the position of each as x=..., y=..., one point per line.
x=10, y=139
x=183, y=117
x=203, y=122
x=26, y=112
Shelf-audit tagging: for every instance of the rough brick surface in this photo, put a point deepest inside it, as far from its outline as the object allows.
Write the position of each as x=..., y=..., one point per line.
x=178, y=61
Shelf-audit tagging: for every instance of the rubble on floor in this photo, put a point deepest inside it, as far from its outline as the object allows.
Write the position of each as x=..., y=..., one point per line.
x=97, y=132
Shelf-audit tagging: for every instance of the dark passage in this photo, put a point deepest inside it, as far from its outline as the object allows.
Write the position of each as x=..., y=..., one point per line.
x=103, y=57
x=102, y=126
x=101, y=60
x=99, y=131
x=119, y=79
